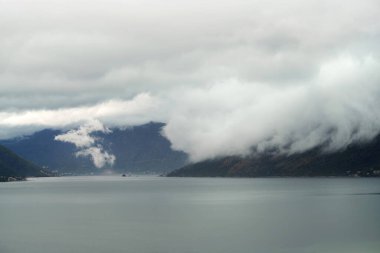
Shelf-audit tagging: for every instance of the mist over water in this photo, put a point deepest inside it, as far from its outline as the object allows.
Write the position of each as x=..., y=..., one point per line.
x=170, y=215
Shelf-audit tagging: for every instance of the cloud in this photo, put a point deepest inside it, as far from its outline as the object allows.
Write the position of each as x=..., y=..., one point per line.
x=138, y=110
x=338, y=107
x=81, y=137
x=226, y=76
x=87, y=144
x=99, y=157
x=68, y=53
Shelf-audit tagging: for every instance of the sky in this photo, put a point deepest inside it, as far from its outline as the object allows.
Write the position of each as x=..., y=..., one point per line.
x=227, y=77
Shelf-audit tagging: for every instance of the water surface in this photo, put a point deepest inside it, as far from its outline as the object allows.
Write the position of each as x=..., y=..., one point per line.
x=174, y=215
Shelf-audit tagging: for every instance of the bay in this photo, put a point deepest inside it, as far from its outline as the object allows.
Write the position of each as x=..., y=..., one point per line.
x=210, y=215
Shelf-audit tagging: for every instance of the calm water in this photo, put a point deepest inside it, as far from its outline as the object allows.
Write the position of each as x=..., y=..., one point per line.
x=171, y=215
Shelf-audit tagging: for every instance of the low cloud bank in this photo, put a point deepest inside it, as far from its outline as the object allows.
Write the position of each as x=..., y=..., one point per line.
x=340, y=106
x=137, y=110
x=337, y=107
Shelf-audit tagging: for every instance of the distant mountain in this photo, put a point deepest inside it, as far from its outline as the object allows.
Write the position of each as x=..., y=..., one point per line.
x=13, y=167
x=42, y=149
x=356, y=160
x=138, y=149
x=143, y=149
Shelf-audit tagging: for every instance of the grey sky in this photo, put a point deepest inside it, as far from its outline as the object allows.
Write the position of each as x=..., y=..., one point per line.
x=229, y=74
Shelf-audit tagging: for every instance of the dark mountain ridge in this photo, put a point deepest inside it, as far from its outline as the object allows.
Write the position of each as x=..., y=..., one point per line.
x=356, y=160
x=13, y=167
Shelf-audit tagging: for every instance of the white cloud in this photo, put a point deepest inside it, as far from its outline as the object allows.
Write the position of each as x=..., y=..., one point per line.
x=138, y=110
x=338, y=107
x=87, y=144
x=99, y=157
x=81, y=137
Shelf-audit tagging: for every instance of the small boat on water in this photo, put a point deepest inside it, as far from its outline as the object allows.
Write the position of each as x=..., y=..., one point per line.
x=123, y=175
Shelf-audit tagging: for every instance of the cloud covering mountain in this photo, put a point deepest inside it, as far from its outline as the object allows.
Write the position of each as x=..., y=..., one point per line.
x=225, y=76
x=87, y=144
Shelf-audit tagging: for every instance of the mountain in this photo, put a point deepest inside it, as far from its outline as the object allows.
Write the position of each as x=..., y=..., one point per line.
x=143, y=149
x=355, y=160
x=13, y=167
x=43, y=150
x=138, y=149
